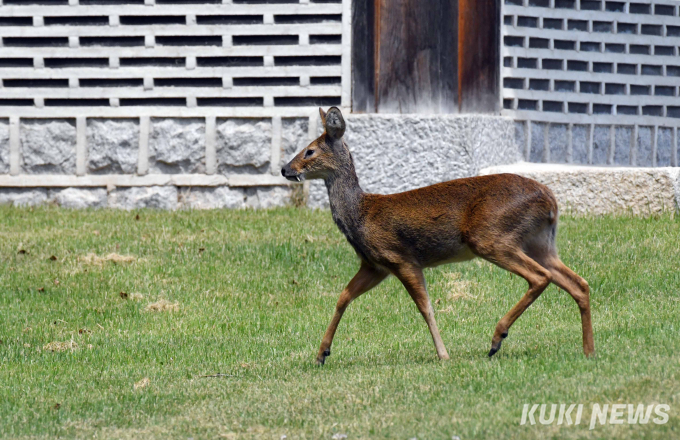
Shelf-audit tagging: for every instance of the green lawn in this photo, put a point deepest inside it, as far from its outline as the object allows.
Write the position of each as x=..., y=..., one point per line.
x=254, y=293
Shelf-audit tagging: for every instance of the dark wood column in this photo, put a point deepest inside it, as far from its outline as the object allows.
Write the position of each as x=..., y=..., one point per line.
x=416, y=56
x=425, y=56
x=363, y=56
x=479, y=30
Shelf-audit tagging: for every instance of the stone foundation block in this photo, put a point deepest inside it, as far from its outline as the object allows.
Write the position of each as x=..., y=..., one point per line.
x=48, y=146
x=218, y=197
x=79, y=198
x=177, y=146
x=113, y=146
x=159, y=197
x=23, y=196
x=273, y=196
x=243, y=143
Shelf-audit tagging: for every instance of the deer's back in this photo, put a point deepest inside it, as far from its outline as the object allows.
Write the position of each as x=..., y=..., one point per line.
x=440, y=223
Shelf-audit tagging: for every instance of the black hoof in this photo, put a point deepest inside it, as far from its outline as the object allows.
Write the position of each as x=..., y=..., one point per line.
x=322, y=359
x=494, y=349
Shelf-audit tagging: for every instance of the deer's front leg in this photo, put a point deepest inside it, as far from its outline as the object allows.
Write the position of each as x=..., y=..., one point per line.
x=367, y=278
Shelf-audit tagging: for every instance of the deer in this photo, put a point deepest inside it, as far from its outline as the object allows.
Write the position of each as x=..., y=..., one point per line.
x=506, y=219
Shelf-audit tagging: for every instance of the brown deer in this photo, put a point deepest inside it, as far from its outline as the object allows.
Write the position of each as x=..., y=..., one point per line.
x=506, y=219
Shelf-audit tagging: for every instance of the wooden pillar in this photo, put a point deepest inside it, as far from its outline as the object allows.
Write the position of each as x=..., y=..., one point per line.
x=363, y=56
x=416, y=56
x=426, y=56
x=479, y=55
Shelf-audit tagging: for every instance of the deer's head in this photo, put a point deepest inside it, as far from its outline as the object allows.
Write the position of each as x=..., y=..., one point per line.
x=325, y=155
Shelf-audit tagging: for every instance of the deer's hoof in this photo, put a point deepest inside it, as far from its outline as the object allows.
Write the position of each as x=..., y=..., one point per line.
x=495, y=347
x=321, y=359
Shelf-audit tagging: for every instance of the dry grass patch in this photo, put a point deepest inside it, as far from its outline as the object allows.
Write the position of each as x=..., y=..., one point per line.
x=96, y=260
x=162, y=306
x=60, y=346
x=142, y=384
x=458, y=289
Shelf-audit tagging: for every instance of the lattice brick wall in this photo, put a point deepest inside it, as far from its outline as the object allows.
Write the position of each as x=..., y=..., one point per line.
x=85, y=61
x=593, y=82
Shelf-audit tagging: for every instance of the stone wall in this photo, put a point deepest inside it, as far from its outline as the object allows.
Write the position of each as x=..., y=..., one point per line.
x=392, y=152
x=114, y=157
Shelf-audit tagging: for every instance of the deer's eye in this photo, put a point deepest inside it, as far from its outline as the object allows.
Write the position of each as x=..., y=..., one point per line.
x=309, y=153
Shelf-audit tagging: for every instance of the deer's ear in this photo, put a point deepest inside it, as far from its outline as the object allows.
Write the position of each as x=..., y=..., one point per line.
x=323, y=116
x=334, y=123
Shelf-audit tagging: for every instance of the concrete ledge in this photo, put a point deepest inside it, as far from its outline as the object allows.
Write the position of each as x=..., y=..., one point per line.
x=604, y=190
x=238, y=180
x=168, y=197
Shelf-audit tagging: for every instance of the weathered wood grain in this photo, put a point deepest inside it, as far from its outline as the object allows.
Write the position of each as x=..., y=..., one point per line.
x=416, y=56
x=478, y=55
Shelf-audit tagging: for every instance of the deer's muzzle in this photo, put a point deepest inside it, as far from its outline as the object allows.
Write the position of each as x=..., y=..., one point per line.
x=290, y=174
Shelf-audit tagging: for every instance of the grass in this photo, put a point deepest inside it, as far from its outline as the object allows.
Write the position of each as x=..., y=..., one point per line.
x=99, y=346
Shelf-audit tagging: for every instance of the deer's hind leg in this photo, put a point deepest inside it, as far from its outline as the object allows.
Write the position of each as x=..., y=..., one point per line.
x=578, y=288
x=543, y=251
x=515, y=260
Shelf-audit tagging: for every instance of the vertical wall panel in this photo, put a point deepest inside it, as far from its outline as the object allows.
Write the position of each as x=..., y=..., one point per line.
x=613, y=66
x=478, y=55
x=416, y=59
x=363, y=56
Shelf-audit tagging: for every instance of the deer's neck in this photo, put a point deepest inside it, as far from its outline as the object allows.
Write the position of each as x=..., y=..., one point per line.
x=345, y=196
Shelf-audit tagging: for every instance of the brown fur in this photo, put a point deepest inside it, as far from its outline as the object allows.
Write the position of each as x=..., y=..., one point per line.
x=506, y=219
